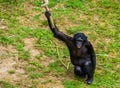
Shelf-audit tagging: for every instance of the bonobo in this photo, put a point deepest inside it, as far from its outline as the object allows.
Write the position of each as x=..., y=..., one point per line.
x=82, y=54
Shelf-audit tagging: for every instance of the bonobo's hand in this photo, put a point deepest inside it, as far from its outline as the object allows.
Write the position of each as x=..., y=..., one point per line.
x=47, y=14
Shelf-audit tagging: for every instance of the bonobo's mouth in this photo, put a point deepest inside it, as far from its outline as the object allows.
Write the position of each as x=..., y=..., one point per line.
x=79, y=46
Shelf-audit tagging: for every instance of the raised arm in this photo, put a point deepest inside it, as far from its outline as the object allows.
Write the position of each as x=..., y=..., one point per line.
x=58, y=34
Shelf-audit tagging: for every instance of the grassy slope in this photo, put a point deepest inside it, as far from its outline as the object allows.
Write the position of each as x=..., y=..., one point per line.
x=24, y=20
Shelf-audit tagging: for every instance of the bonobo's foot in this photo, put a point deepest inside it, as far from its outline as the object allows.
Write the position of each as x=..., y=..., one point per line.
x=89, y=81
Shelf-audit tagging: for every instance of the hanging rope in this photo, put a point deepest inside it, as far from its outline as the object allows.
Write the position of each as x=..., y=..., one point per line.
x=45, y=5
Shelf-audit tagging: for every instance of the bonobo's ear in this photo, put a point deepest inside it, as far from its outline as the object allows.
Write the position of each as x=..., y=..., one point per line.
x=85, y=37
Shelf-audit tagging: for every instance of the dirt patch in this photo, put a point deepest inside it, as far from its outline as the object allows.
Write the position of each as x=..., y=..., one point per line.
x=50, y=82
x=2, y=25
x=3, y=51
x=47, y=81
x=28, y=18
x=29, y=45
x=45, y=61
x=7, y=51
x=10, y=64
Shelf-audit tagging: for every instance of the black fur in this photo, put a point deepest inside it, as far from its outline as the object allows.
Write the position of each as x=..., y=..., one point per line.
x=83, y=58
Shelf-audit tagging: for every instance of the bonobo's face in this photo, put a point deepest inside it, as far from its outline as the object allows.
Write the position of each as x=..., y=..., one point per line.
x=79, y=42
x=79, y=39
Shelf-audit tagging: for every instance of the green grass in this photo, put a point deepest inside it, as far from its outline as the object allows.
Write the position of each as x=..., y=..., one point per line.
x=36, y=75
x=36, y=64
x=70, y=84
x=6, y=85
x=98, y=19
x=11, y=71
x=56, y=66
x=20, y=47
x=73, y=30
x=24, y=55
x=79, y=5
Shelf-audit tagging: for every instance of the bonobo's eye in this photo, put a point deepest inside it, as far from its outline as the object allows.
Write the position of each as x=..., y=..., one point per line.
x=79, y=39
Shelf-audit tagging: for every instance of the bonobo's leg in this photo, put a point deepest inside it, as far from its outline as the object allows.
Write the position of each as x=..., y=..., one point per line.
x=88, y=70
x=78, y=71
